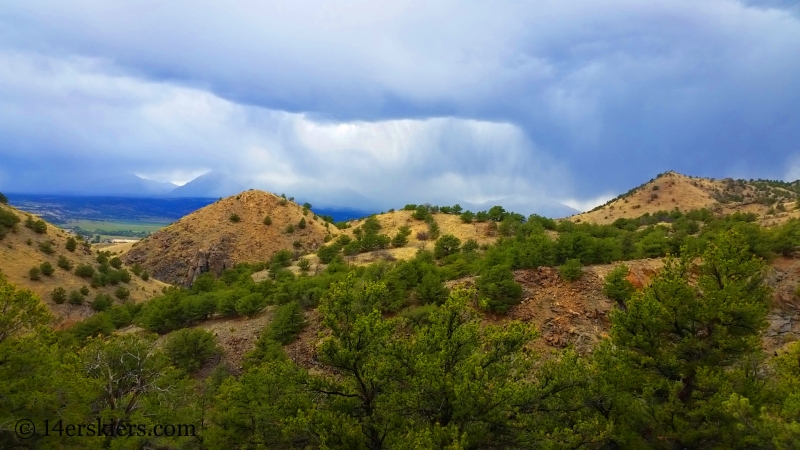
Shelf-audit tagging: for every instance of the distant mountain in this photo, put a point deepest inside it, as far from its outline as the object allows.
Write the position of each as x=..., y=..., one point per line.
x=61, y=209
x=121, y=185
x=154, y=188
x=108, y=185
x=209, y=185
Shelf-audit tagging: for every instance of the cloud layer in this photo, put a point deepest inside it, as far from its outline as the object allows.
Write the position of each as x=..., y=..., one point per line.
x=165, y=133
x=572, y=101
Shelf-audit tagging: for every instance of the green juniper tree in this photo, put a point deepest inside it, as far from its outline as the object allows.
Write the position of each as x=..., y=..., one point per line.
x=683, y=347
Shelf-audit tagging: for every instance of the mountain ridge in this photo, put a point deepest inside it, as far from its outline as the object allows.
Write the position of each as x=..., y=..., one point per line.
x=773, y=202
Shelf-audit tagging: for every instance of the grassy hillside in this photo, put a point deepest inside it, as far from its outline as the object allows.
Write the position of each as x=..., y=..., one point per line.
x=249, y=227
x=773, y=202
x=22, y=248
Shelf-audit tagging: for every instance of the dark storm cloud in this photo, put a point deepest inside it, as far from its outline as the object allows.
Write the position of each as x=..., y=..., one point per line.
x=571, y=100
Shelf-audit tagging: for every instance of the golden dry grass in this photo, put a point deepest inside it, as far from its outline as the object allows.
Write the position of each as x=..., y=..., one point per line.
x=676, y=191
x=17, y=258
x=171, y=254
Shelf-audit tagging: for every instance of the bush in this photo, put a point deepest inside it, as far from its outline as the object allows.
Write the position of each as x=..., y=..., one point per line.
x=421, y=213
x=467, y=216
x=145, y=276
x=3, y=199
x=470, y=246
x=282, y=258
x=136, y=269
x=99, y=324
x=327, y=253
x=8, y=221
x=75, y=298
x=39, y=226
x=71, y=244
x=431, y=290
x=571, y=270
x=401, y=238
x=268, y=220
x=46, y=268
x=98, y=280
x=101, y=302
x=446, y=246
x=84, y=271
x=59, y=295
x=287, y=323
x=302, y=223
x=289, y=229
x=497, y=289
x=265, y=350
x=115, y=262
x=235, y=218
x=34, y=273
x=422, y=235
x=124, y=276
x=304, y=264
x=419, y=315
x=102, y=258
x=112, y=277
x=433, y=229
x=250, y=305
x=84, y=290
x=617, y=287
x=46, y=247
x=64, y=263
x=122, y=293
x=189, y=349
x=352, y=248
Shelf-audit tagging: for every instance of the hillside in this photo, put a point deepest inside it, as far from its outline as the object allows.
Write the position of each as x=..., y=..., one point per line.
x=211, y=239
x=773, y=202
x=448, y=224
x=23, y=248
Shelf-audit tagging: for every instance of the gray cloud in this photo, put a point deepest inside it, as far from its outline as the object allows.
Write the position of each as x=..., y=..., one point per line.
x=560, y=99
x=165, y=132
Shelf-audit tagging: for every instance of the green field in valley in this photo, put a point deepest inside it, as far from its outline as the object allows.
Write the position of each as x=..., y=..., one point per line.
x=114, y=229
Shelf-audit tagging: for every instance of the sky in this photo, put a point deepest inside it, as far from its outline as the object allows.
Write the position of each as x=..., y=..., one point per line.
x=397, y=102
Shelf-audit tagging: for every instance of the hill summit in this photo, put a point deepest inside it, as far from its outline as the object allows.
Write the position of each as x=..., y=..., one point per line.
x=248, y=227
x=772, y=201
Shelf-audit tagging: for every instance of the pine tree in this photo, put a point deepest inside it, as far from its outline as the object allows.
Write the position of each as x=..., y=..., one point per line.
x=681, y=344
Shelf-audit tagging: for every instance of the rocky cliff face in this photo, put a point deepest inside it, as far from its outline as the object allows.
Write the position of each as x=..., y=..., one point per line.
x=225, y=233
x=784, y=316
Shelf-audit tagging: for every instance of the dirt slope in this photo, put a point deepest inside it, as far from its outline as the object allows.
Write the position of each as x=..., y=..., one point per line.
x=672, y=190
x=209, y=241
x=17, y=258
x=576, y=313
